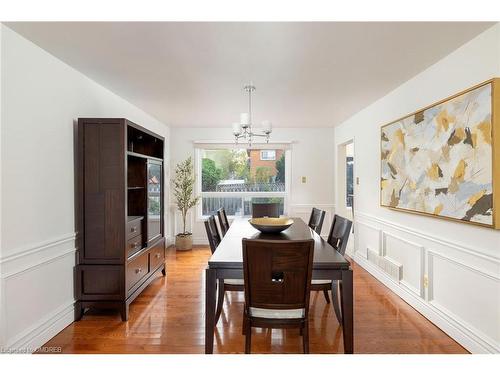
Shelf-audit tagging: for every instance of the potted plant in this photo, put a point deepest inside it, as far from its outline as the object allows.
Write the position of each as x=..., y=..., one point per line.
x=183, y=194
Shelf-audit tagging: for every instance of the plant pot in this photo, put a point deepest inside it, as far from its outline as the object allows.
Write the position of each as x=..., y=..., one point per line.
x=184, y=242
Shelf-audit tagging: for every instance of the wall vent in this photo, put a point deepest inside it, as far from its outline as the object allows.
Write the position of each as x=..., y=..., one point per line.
x=389, y=266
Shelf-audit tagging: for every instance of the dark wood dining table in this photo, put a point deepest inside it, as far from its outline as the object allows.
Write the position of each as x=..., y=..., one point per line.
x=328, y=264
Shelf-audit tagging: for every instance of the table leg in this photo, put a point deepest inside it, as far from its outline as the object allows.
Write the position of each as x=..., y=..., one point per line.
x=347, y=300
x=210, y=287
x=335, y=300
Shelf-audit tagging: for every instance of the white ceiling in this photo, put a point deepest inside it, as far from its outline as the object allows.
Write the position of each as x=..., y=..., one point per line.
x=307, y=74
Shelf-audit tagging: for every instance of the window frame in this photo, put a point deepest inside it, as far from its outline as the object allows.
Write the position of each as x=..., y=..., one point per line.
x=273, y=159
x=258, y=194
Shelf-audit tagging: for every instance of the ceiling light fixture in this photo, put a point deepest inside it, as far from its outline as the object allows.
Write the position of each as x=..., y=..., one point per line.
x=243, y=129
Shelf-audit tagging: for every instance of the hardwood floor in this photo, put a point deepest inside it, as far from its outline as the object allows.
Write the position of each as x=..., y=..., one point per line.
x=168, y=317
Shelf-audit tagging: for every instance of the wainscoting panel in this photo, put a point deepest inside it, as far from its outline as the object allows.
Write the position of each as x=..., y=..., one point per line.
x=476, y=301
x=455, y=287
x=367, y=237
x=411, y=258
x=38, y=285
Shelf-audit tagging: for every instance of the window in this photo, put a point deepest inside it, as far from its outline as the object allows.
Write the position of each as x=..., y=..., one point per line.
x=236, y=178
x=268, y=155
x=349, y=174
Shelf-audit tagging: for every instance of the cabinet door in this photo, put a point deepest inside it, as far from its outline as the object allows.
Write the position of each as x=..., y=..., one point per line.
x=104, y=192
x=155, y=200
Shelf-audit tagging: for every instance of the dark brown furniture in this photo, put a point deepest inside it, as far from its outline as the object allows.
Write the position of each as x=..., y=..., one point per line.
x=277, y=275
x=227, y=262
x=223, y=222
x=337, y=238
x=120, y=226
x=316, y=220
x=231, y=285
x=265, y=210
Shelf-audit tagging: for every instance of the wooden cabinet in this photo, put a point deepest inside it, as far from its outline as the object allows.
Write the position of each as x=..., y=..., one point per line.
x=120, y=209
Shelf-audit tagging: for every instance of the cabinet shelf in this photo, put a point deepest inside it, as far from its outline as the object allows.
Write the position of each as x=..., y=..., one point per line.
x=137, y=155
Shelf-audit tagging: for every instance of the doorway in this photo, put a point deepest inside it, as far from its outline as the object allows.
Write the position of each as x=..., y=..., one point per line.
x=346, y=182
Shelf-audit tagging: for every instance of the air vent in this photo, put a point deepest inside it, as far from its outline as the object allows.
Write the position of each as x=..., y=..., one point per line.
x=389, y=266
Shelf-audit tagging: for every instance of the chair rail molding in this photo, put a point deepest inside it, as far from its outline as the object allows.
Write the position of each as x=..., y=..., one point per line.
x=436, y=277
x=51, y=262
x=35, y=255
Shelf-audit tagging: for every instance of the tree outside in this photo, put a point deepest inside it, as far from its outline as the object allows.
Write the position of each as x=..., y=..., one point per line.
x=240, y=165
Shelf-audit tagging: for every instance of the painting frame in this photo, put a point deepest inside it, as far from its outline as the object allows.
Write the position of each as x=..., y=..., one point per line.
x=495, y=155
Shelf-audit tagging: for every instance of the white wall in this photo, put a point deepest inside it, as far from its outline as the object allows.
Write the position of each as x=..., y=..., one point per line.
x=312, y=156
x=461, y=262
x=41, y=97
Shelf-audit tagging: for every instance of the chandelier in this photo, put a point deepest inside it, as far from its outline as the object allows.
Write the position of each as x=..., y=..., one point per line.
x=243, y=129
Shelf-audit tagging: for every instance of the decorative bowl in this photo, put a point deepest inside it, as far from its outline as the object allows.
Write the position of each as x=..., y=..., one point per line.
x=271, y=224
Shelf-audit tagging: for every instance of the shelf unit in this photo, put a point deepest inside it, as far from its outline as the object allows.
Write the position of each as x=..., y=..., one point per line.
x=121, y=244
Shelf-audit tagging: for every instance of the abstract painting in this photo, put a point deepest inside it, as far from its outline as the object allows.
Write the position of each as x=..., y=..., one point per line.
x=439, y=161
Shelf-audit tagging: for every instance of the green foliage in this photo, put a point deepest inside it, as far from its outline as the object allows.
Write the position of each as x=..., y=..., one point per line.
x=233, y=164
x=210, y=175
x=262, y=175
x=280, y=167
x=183, y=185
x=154, y=206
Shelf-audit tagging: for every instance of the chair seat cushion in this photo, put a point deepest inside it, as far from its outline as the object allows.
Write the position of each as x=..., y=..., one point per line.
x=276, y=314
x=234, y=281
x=316, y=282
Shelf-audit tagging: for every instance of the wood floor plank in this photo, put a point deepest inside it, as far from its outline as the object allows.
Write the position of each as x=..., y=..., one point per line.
x=168, y=317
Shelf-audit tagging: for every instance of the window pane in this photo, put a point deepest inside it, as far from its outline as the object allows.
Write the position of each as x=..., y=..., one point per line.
x=248, y=203
x=242, y=170
x=233, y=206
x=268, y=155
x=349, y=180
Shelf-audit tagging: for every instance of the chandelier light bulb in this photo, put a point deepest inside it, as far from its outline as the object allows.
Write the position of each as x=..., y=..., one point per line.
x=245, y=119
x=267, y=126
x=236, y=129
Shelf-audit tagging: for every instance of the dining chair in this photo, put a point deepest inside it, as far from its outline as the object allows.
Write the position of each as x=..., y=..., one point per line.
x=232, y=285
x=277, y=276
x=316, y=220
x=223, y=222
x=265, y=209
x=337, y=238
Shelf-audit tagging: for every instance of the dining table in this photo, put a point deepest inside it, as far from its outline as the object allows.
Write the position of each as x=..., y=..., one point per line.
x=328, y=264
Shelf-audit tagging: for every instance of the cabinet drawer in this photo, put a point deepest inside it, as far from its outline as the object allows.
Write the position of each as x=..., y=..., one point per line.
x=134, y=227
x=134, y=245
x=137, y=269
x=157, y=255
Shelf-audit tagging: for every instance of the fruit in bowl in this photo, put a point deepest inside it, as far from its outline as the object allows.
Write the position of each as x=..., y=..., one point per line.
x=271, y=224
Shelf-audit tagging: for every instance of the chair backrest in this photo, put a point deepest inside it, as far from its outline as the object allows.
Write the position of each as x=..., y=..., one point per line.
x=265, y=209
x=212, y=233
x=316, y=220
x=223, y=222
x=339, y=233
x=277, y=274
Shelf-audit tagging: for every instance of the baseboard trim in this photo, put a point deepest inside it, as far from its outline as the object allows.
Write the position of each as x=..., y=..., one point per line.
x=464, y=335
x=44, y=330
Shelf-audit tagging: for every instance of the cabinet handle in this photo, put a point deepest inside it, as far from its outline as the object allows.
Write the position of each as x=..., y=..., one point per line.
x=133, y=229
x=134, y=245
x=158, y=256
x=138, y=270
